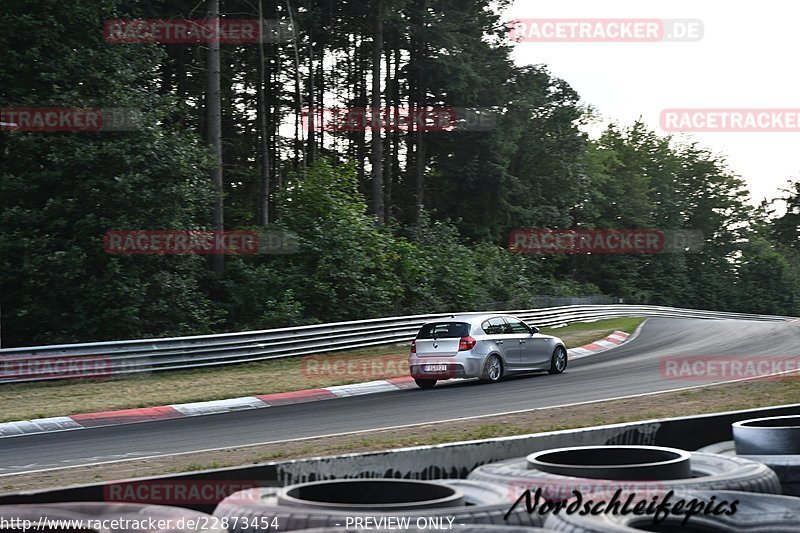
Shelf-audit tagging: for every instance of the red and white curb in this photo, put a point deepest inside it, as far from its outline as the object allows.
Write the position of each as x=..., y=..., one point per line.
x=168, y=412
x=615, y=339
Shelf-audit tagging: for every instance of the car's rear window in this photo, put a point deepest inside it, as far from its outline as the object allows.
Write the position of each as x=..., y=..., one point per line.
x=444, y=330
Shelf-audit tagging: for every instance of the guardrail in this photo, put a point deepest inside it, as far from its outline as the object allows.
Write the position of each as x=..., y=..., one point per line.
x=68, y=361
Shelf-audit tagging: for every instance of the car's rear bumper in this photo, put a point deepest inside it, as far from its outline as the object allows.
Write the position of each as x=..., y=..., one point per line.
x=454, y=370
x=463, y=365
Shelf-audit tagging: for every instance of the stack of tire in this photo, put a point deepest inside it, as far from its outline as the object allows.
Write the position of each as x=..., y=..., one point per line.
x=707, y=492
x=757, y=473
x=773, y=441
x=381, y=504
x=718, y=491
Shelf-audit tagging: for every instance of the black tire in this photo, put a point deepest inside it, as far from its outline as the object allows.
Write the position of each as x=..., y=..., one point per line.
x=557, y=364
x=754, y=512
x=487, y=370
x=425, y=383
x=486, y=504
x=787, y=467
x=709, y=471
x=725, y=447
x=86, y=511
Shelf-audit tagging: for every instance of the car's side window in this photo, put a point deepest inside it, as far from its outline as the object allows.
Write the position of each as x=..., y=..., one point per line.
x=517, y=327
x=494, y=326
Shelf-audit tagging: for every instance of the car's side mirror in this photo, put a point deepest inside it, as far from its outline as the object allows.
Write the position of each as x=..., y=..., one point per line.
x=534, y=330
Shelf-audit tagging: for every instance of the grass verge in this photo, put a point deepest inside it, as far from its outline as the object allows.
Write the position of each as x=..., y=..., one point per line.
x=742, y=395
x=38, y=400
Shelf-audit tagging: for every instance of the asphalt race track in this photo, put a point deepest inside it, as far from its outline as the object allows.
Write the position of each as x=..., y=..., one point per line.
x=630, y=369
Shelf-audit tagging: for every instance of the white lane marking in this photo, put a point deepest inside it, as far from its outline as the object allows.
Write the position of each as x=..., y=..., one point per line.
x=637, y=330
x=388, y=428
x=251, y=402
x=46, y=467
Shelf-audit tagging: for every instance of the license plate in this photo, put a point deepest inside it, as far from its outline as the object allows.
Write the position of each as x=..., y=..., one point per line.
x=434, y=368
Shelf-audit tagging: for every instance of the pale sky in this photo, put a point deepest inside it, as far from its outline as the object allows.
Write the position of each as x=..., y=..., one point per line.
x=747, y=58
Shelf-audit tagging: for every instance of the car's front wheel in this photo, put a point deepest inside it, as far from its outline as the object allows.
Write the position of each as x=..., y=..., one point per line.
x=493, y=370
x=425, y=383
x=559, y=360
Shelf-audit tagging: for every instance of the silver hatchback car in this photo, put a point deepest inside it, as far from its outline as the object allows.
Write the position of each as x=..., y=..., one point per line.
x=487, y=347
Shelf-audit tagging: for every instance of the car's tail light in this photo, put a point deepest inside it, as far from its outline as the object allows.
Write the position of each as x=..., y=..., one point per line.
x=466, y=343
x=414, y=346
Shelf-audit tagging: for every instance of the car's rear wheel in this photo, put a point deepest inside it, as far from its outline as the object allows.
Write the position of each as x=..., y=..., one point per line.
x=558, y=363
x=493, y=371
x=425, y=383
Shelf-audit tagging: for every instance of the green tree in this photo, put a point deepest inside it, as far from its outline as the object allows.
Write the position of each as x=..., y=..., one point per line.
x=60, y=192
